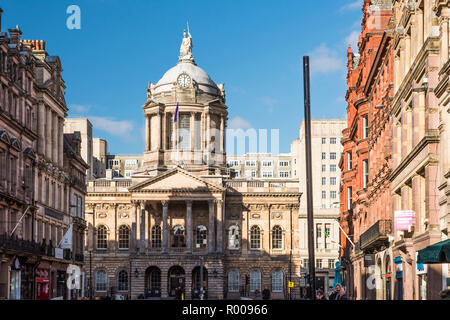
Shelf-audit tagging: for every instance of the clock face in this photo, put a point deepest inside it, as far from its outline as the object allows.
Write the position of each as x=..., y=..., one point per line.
x=184, y=80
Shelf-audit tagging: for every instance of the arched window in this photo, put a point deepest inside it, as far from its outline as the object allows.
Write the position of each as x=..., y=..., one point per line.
x=102, y=237
x=178, y=237
x=255, y=237
x=123, y=280
x=277, y=281
x=233, y=281
x=156, y=237
x=201, y=237
x=124, y=237
x=233, y=238
x=255, y=280
x=277, y=238
x=100, y=280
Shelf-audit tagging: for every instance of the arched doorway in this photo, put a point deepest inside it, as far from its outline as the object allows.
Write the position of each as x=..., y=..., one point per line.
x=176, y=279
x=153, y=282
x=196, y=282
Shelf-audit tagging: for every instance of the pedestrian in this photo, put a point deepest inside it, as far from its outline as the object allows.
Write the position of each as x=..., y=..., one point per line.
x=266, y=294
x=338, y=293
x=320, y=295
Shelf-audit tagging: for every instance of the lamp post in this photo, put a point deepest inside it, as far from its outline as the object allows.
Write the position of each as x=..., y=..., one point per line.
x=309, y=189
x=202, y=296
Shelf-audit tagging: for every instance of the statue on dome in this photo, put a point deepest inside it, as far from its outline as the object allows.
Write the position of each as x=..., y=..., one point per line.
x=186, y=47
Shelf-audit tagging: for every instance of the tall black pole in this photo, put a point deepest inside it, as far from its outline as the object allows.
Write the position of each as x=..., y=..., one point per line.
x=309, y=192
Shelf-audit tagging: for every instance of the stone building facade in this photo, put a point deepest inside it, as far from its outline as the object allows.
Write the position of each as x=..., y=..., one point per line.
x=261, y=166
x=37, y=184
x=326, y=135
x=152, y=233
x=361, y=208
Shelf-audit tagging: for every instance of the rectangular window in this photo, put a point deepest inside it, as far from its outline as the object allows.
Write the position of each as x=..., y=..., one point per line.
x=283, y=174
x=324, y=168
x=184, y=132
x=332, y=140
x=349, y=161
x=365, y=127
x=331, y=263
x=324, y=156
x=267, y=174
x=319, y=263
x=324, y=194
x=250, y=163
x=324, y=181
x=128, y=173
x=233, y=163
x=349, y=198
x=267, y=163
x=333, y=194
x=324, y=140
x=333, y=168
x=283, y=163
x=131, y=163
x=366, y=172
x=333, y=181
x=333, y=156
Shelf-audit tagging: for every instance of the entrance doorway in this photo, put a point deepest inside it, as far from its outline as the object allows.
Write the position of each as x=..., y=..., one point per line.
x=176, y=279
x=153, y=282
x=196, y=282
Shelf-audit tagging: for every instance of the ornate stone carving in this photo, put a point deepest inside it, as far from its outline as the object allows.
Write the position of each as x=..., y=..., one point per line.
x=277, y=215
x=102, y=215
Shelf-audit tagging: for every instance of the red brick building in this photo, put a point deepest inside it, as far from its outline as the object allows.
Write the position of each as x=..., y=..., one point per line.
x=362, y=190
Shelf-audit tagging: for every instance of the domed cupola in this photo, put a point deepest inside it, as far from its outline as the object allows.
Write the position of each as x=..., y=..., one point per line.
x=185, y=117
x=186, y=74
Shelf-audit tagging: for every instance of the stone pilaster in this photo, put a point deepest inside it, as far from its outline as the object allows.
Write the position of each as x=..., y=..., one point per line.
x=220, y=218
x=189, y=233
x=211, y=233
x=165, y=244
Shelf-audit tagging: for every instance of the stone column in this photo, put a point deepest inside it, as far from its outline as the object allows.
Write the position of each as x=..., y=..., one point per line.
x=444, y=41
x=148, y=145
x=192, y=130
x=55, y=138
x=211, y=233
x=189, y=233
x=165, y=241
x=158, y=126
x=142, y=230
x=61, y=142
x=134, y=228
x=48, y=135
x=164, y=131
x=41, y=128
x=222, y=133
x=220, y=226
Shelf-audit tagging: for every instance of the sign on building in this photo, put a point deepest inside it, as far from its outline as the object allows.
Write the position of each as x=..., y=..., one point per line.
x=404, y=220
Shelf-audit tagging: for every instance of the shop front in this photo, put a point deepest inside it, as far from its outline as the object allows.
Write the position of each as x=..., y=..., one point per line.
x=42, y=284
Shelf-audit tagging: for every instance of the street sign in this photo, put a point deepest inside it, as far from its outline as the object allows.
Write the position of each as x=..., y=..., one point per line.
x=291, y=284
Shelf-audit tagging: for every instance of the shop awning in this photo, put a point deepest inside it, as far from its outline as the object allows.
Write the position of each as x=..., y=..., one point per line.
x=436, y=253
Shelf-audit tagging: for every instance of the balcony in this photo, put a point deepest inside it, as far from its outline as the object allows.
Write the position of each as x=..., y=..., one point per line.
x=376, y=235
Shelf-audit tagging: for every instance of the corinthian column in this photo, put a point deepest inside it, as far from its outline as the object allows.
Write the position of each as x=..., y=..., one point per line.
x=189, y=225
x=142, y=230
x=219, y=226
x=41, y=128
x=211, y=235
x=165, y=243
x=48, y=135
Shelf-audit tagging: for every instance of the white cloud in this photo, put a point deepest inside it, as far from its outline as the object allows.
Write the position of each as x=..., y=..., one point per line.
x=79, y=108
x=326, y=60
x=352, y=39
x=355, y=4
x=239, y=123
x=268, y=101
x=117, y=128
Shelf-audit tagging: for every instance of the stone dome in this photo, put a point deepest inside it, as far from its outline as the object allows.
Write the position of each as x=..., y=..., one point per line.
x=186, y=64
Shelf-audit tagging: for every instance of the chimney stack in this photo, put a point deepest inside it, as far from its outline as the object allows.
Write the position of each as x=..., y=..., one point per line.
x=15, y=35
x=1, y=19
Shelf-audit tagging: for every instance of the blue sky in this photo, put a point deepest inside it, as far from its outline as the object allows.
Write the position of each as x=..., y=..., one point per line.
x=254, y=47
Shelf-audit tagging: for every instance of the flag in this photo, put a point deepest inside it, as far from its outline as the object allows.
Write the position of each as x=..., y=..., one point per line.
x=176, y=114
x=66, y=242
x=326, y=235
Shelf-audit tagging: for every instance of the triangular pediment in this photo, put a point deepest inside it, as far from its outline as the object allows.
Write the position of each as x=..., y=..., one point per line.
x=175, y=180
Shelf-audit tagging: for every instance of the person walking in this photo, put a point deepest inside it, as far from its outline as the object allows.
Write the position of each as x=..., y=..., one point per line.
x=266, y=294
x=320, y=295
